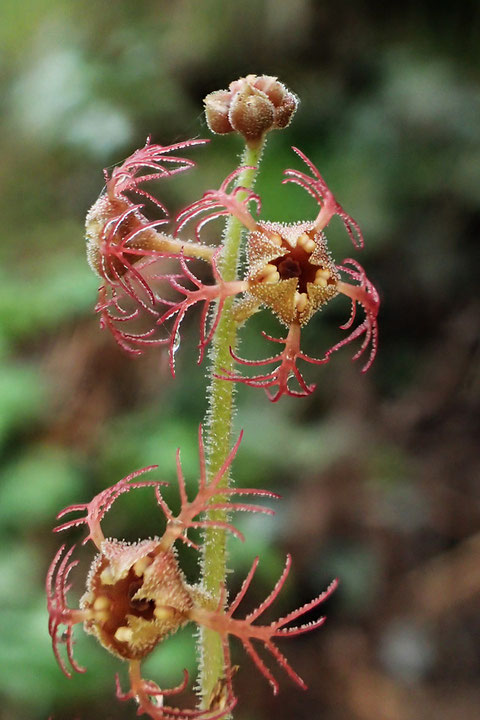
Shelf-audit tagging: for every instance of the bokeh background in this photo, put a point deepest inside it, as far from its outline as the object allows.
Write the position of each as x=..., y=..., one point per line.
x=379, y=473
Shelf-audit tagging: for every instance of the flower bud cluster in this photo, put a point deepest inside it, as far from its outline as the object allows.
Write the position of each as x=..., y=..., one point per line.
x=252, y=106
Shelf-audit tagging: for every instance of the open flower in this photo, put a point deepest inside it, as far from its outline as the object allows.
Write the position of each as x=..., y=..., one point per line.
x=136, y=594
x=118, y=234
x=123, y=246
x=290, y=270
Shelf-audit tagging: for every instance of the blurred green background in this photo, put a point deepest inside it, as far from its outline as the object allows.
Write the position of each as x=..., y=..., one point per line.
x=379, y=473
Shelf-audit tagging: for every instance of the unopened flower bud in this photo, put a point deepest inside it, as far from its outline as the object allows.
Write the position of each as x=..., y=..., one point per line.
x=217, y=105
x=252, y=106
x=274, y=90
x=251, y=113
x=285, y=111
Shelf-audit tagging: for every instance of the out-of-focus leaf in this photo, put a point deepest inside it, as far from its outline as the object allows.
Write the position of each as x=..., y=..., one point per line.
x=64, y=288
x=360, y=572
x=27, y=659
x=166, y=663
x=143, y=439
x=18, y=560
x=23, y=396
x=37, y=486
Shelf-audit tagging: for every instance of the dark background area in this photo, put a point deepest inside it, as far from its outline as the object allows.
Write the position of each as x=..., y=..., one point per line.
x=379, y=473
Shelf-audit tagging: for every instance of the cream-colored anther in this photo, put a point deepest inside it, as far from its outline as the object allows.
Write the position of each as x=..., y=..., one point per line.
x=101, y=603
x=306, y=242
x=163, y=612
x=106, y=576
x=322, y=276
x=301, y=300
x=268, y=274
x=272, y=278
x=275, y=238
x=141, y=565
x=267, y=270
x=123, y=634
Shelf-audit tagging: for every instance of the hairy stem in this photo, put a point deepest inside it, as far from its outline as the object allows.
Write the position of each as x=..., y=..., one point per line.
x=165, y=243
x=219, y=418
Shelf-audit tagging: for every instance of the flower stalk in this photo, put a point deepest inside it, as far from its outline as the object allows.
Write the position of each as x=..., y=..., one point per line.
x=219, y=418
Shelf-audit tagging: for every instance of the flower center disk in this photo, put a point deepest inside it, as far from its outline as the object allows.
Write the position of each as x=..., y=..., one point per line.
x=291, y=271
x=135, y=601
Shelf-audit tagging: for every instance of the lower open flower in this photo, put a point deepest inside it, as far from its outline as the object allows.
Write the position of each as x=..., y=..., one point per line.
x=136, y=594
x=285, y=370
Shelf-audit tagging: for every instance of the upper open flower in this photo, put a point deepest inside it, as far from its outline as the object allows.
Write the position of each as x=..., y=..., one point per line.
x=289, y=267
x=290, y=270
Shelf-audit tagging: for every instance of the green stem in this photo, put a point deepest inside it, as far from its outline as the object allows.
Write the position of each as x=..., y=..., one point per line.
x=219, y=418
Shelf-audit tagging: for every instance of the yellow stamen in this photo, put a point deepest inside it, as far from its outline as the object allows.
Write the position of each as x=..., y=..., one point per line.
x=301, y=300
x=141, y=565
x=268, y=274
x=306, y=242
x=268, y=269
x=106, y=577
x=272, y=278
x=163, y=612
x=101, y=603
x=322, y=276
x=275, y=238
x=123, y=634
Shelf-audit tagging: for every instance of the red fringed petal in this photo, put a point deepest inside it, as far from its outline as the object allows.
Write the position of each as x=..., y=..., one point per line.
x=247, y=632
x=318, y=189
x=59, y=613
x=223, y=201
x=97, y=508
x=280, y=376
x=206, y=294
x=156, y=161
x=208, y=490
x=367, y=296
